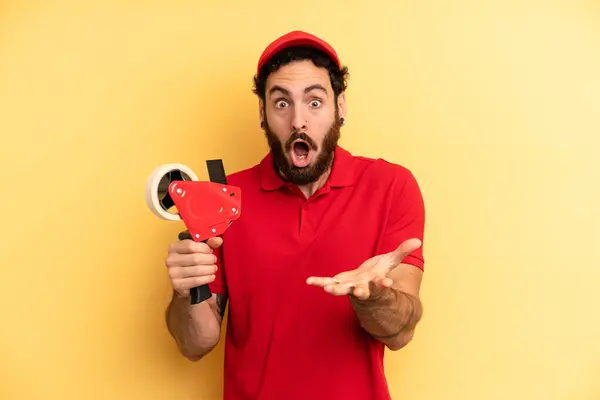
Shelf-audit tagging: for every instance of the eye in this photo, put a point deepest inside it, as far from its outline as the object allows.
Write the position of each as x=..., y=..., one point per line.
x=281, y=103
x=315, y=103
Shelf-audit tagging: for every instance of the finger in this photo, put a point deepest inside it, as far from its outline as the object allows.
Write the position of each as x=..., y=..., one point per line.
x=405, y=248
x=189, y=246
x=339, y=289
x=188, y=260
x=193, y=271
x=361, y=292
x=347, y=276
x=214, y=242
x=320, y=281
x=348, y=282
x=358, y=278
x=343, y=283
x=382, y=281
x=365, y=277
x=188, y=283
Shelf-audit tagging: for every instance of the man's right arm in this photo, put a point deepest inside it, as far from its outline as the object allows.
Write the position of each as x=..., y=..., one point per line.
x=195, y=328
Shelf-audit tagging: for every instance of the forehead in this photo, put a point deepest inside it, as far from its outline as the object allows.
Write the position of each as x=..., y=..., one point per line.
x=298, y=75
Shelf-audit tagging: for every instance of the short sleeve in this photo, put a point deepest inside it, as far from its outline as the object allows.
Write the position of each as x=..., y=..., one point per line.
x=219, y=285
x=405, y=217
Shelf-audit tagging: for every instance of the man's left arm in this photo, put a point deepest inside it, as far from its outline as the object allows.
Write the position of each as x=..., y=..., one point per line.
x=391, y=313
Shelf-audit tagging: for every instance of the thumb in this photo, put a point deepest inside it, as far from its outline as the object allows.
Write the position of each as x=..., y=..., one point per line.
x=405, y=248
x=214, y=242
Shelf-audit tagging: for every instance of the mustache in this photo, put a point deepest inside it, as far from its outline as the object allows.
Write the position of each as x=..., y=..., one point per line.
x=302, y=136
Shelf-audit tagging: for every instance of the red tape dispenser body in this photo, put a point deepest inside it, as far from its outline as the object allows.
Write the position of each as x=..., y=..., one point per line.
x=206, y=208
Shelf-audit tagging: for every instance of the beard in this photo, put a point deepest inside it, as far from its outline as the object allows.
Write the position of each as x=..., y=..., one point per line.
x=312, y=172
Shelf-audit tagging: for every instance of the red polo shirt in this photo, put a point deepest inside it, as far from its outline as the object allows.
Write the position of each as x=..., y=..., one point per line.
x=287, y=340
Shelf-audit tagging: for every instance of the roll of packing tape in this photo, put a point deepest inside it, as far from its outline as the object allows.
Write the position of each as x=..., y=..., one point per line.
x=158, y=198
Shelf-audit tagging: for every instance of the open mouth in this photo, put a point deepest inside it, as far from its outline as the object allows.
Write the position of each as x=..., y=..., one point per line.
x=301, y=153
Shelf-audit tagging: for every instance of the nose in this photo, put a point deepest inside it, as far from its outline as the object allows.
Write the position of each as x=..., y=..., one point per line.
x=298, y=119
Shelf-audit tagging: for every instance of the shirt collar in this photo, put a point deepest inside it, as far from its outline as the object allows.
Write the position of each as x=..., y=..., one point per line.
x=342, y=171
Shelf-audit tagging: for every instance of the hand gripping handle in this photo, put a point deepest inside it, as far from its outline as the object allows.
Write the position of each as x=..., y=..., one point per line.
x=200, y=293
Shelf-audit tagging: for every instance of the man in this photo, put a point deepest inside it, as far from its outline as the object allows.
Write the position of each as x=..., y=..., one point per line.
x=323, y=269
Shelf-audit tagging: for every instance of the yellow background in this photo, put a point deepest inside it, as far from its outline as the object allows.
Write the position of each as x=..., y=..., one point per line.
x=495, y=106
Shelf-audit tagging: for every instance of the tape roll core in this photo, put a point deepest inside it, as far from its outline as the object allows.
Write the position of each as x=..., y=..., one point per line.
x=152, y=189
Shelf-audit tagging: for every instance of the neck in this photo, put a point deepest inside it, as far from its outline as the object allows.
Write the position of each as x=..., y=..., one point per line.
x=312, y=188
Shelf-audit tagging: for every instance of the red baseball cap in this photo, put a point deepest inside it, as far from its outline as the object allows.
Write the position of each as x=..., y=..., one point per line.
x=296, y=38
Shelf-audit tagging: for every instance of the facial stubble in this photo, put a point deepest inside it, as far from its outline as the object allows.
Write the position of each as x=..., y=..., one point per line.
x=311, y=173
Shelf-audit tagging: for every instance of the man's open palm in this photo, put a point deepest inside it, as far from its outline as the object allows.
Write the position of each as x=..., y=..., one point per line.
x=370, y=275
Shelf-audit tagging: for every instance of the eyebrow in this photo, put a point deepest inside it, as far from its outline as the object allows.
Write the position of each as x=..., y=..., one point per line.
x=318, y=86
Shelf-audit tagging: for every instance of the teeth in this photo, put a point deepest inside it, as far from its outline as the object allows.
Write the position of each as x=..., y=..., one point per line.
x=302, y=157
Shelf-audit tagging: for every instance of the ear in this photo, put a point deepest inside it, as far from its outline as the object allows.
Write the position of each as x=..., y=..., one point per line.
x=261, y=110
x=342, y=104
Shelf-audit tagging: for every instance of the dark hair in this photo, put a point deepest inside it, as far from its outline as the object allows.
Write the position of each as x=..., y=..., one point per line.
x=337, y=76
